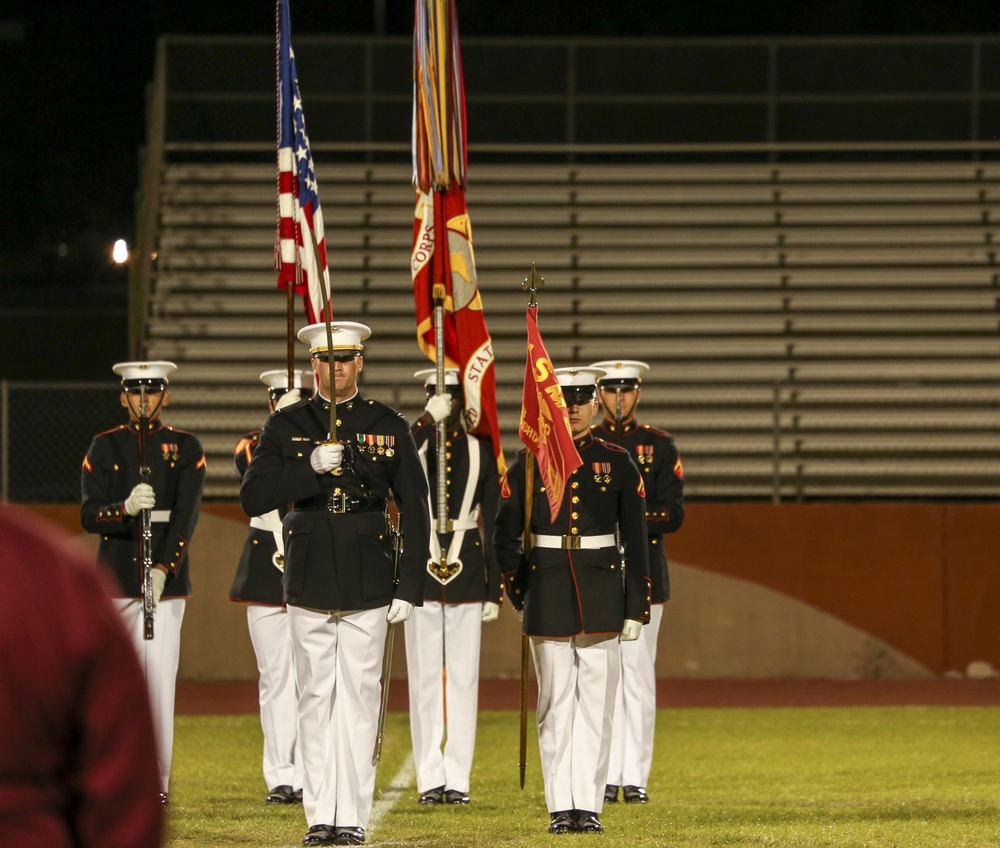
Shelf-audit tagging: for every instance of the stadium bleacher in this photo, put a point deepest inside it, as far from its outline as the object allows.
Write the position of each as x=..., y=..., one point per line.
x=814, y=330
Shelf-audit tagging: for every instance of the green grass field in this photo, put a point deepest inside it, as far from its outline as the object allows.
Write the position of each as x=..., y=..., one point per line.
x=886, y=777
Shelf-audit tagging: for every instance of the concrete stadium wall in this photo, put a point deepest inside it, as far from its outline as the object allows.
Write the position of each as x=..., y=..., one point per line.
x=836, y=591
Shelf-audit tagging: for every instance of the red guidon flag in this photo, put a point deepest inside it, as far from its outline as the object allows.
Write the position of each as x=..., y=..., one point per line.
x=544, y=427
x=442, y=263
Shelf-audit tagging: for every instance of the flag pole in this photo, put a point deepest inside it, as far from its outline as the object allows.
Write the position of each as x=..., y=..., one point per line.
x=291, y=335
x=289, y=287
x=532, y=283
x=438, y=293
x=332, y=438
x=327, y=312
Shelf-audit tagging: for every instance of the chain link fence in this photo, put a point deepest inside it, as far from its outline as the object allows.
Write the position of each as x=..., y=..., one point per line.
x=45, y=430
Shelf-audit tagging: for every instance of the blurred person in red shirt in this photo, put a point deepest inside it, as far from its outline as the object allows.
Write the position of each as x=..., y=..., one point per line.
x=78, y=762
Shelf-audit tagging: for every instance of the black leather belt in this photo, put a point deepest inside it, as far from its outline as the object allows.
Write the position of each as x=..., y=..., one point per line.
x=341, y=504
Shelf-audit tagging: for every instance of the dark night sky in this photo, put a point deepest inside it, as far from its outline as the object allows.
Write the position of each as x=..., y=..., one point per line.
x=72, y=89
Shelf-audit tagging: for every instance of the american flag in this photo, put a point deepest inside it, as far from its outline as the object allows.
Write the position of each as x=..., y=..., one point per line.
x=300, y=249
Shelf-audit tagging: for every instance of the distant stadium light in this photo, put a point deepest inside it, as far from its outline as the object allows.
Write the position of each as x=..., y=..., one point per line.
x=120, y=252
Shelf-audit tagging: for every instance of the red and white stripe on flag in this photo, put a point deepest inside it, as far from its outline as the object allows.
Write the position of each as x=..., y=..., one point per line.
x=300, y=257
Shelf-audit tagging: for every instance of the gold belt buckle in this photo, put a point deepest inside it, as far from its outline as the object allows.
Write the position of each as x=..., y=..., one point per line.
x=338, y=503
x=571, y=543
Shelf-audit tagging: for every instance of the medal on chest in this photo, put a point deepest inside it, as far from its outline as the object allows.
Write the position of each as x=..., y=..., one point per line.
x=376, y=444
x=602, y=472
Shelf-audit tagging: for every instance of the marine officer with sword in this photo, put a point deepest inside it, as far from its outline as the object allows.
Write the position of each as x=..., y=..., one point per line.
x=338, y=458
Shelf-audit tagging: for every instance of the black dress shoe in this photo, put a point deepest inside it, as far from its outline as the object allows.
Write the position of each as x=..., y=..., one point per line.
x=635, y=794
x=349, y=836
x=562, y=822
x=432, y=796
x=297, y=796
x=283, y=794
x=453, y=796
x=587, y=822
x=163, y=799
x=319, y=834
x=610, y=794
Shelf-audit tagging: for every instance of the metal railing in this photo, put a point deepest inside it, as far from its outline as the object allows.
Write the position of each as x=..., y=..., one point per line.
x=45, y=430
x=776, y=446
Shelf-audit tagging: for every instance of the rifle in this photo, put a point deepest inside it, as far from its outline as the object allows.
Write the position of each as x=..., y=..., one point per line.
x=397, y=548
x=146, y=532
x=618, y=415
x=619, y=438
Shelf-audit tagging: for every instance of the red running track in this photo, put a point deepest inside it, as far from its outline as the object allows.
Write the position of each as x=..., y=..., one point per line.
x=219, y=698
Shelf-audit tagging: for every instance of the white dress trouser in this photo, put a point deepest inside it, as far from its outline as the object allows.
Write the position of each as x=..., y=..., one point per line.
x=577, y=678
x=635, y=707
x=272, y=645
x=440, y=636
x=159, y=658
x=338, y=665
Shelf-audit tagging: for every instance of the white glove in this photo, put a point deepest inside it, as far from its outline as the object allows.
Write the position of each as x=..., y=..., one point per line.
x=518, y=613
x=490, y=611
x=326, y=457
x=142, y=497
x=159, y=578
x=631, y=630
x=438, y=407
x=288, y=398
x=399, y=610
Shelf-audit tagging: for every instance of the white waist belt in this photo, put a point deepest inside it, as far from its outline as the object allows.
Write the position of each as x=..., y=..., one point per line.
x=159, y=516
x=572, y=543
x=455, y=524
x=269, y=521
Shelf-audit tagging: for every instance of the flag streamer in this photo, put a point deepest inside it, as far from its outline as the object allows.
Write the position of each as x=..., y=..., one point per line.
x=300, y=241
x=440, y=156
x=443, y=262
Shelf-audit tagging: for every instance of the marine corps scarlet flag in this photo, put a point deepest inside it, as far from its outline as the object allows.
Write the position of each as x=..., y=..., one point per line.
x=442, y=264
x=545, y=428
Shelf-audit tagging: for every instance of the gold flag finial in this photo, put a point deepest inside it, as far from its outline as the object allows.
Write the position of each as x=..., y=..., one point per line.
x=532, y=283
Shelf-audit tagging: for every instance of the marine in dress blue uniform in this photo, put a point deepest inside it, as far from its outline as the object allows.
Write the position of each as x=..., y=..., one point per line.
x=113, y=498
x=584, y=585
x=462, y=590
x=258, y=585
x=655, y=452
x=340, y=585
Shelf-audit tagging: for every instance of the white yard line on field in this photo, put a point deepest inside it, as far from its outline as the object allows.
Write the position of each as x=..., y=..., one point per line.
x=397, y=786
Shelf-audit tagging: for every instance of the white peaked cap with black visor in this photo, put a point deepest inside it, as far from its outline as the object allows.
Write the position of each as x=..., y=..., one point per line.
x=429, y=376
x=452, y=383
x=347, y=337
x=579, y=384
x=276, y=381
x=152, y=374
x=621, y=372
